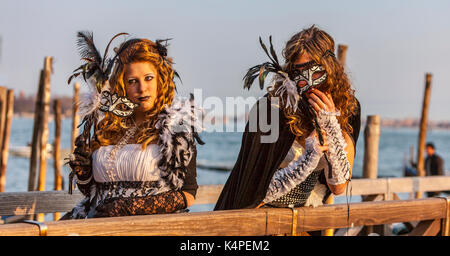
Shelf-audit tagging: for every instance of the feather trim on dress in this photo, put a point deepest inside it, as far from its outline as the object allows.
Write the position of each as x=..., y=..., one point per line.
x=179, y=125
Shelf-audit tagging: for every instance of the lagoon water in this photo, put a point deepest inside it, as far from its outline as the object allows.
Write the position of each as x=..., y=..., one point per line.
x=222, y=149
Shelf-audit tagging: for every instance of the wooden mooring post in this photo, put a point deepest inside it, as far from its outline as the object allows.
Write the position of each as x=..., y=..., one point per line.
x=35, y=137
x=370, y=163
x=57, y=150
x=371, y=142
x=423, y=130
x=6, y=115
x=40, y=131
x=75, y=117
x=44, y=124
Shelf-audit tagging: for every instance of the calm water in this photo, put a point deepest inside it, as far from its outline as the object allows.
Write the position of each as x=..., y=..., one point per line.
x=221, y=149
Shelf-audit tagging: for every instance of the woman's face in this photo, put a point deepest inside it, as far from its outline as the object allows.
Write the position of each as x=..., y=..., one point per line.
x=141, y=85
x=305, y=62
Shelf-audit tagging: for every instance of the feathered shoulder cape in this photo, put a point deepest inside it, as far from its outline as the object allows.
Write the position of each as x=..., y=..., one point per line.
x=179, y=126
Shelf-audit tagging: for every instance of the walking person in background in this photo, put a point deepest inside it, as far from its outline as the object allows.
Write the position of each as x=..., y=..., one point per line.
x=434, y=164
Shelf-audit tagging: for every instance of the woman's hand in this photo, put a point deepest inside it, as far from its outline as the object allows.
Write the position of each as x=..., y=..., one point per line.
x=324, y=147
x=80, y=163
x=342, y=144
x=320, y=100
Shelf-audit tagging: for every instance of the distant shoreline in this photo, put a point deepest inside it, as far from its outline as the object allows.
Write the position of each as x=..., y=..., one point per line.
x=387, y=122
x=31, y=116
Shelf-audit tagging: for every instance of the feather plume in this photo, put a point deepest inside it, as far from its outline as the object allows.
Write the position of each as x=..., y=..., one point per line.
x=94, y=66
x=106, y=53
x=288, y=91
x=86, y=47
x=261, y=71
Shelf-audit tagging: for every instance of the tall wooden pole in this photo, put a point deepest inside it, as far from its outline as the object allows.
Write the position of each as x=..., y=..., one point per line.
x=36, y=134
x=6, y=135
x=44, y=124
x=57, y=150
x=3, y=106
x=341, y=55
x=370, y=166
x=423, y=129
x=371, y=142
x=44, y=128
x=75, y=117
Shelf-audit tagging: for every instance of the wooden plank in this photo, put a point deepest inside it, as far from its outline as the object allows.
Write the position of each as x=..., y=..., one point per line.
x=19, y=203
x=262, y=221
x=399, y=185
x=356, y=230
x=208, y=194
x=371, y=213
x=233, y=223
x=14, y=219
x=19, y=229
x=367, y=186
x=427, y=228
x=53, y=201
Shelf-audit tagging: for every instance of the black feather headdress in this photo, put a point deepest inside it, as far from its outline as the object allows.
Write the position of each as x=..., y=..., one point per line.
x=95, y=65
x=97, y=69
x=288, y=90
x=162, y=50
x=261, y=71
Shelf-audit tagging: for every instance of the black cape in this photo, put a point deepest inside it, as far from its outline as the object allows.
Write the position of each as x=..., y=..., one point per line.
x=257, y=162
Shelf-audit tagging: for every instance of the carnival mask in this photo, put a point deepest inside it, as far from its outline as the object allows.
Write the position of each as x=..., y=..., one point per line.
x=115, y=104
x=307, y=74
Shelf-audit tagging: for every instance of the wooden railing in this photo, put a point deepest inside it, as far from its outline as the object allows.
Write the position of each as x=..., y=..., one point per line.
x=433, y=212
x=23, y=203
x=429, y=216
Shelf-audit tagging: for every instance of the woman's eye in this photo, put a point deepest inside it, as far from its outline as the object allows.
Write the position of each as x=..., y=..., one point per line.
x=131, y=81
x=318, y=74
x=148, y=78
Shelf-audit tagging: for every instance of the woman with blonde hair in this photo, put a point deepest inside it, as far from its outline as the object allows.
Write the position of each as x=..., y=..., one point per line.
x=318, y=127
x=141, y=157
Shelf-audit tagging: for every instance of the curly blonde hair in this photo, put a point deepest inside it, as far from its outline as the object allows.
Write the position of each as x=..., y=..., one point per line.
x=316, y=42
x=111, y=128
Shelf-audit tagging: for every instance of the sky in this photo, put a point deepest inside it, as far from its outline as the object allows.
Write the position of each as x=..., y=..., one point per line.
x=391, y=44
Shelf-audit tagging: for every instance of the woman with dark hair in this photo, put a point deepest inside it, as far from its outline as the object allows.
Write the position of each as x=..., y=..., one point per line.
x=141, y=158
x=319, y=123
